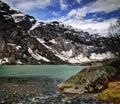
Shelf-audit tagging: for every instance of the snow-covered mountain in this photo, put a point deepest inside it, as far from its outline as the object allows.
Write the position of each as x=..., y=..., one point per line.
x=24, y=40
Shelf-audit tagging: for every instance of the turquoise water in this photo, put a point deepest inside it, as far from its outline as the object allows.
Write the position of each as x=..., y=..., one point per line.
x=52, y=71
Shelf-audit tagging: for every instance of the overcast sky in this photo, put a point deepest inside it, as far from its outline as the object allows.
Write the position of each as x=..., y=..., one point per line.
x=94, y=16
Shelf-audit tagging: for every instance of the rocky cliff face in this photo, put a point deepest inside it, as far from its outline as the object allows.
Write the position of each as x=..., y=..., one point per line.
x=24, y=40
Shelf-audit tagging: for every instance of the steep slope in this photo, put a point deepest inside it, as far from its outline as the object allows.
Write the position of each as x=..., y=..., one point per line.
x=92, y=79
x=17, y=45
x=25, y=40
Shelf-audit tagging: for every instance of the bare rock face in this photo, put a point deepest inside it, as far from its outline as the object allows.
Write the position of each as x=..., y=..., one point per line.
x=92, y=79
x=28, y=41
x=16, y=45
x=2, y=47
x=2, y=44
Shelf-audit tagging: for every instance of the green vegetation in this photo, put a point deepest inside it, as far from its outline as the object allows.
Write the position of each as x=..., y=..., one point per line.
x=112, y=93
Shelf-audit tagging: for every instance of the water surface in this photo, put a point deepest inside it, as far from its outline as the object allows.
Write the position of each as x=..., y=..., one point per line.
x=52, y=71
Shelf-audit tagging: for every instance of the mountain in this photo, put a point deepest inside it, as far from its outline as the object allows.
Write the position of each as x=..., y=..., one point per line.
x=25, y=40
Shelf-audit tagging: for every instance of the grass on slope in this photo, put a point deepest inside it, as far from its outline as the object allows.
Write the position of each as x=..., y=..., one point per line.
x=112, y=93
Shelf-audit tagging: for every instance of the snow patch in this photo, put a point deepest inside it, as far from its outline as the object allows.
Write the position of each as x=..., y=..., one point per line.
x=53, y=41
x=14, y=45
x=47, y=47
x=66, y=42
x=10, y=44
x=66, y=56
x=102, y=56
x=110, y=55
x=37, y=56
x=18, y=47
x=44, y=24
x=7, y=17
x=18, y=15
x=4, y=60
x=40, y=40
x=19, y=62
x=89, y=47
x=31, y=19
x=61, y=57
x=37, y=24
x=79, y=59
x=67, y=53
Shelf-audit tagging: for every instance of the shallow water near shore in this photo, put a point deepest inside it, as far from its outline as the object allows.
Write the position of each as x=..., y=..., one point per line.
x=29, y=84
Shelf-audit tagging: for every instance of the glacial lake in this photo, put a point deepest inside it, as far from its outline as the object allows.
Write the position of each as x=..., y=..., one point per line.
x=51, y=71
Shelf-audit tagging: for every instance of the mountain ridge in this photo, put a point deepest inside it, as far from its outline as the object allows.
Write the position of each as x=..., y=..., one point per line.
x=24, y=40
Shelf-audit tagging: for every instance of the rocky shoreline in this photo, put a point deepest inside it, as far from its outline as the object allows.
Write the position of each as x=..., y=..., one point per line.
x=26, y=90
x=41, y=91
x=95, y=79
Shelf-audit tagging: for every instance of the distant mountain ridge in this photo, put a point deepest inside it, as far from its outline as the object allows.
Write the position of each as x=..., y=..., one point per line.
x=24, y=40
